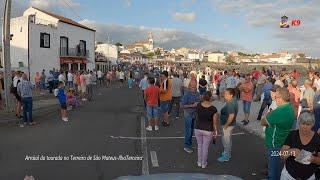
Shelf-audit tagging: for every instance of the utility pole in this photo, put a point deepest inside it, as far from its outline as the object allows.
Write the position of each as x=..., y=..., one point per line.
x=6, y=53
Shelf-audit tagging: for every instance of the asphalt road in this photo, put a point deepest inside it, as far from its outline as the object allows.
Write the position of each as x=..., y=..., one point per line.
x=111, y=126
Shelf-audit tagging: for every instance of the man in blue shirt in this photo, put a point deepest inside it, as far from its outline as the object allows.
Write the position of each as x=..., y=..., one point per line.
x=267, y=100
x=62, y=100
x=189, y=103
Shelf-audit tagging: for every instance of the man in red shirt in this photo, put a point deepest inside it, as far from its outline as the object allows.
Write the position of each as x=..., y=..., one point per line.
x=151, y=96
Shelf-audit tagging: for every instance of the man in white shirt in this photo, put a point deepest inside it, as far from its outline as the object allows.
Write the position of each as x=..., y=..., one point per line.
x=99, y=74
x=89, y=82
x=61, y=77
x=231, y=81
x=121, y=77
x=70, y=79
x=177, y=88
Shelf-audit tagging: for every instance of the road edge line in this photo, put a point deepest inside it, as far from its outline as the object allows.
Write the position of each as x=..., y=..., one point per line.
x=145, y=161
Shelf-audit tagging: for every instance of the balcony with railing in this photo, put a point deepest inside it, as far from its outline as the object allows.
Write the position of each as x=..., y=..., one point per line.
x=74, y=52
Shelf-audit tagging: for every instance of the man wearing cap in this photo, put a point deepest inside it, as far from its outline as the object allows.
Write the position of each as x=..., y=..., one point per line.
x=278, y=125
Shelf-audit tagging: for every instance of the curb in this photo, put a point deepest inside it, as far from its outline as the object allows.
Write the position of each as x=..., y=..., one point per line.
x=37, y=114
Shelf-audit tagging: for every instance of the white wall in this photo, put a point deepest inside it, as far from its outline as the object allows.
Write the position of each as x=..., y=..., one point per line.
x=45, y=58
x=75, y=34
x=108, y=50
x=216, y=57
x=19, y=42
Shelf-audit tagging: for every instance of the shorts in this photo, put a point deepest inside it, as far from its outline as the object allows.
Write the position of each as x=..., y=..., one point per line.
x=17, y=96
x=63, y=106
x=121, y=80
x=152, y=112
x=246, y=106
x=165, y=106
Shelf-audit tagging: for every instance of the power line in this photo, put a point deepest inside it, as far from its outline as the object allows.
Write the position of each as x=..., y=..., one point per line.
x=75, y=12
x=70, y=7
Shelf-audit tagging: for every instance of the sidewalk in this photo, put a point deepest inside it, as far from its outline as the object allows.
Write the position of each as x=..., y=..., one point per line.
x=41, y=107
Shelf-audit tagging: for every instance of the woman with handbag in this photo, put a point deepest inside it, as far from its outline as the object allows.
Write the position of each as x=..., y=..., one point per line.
x=206, y=127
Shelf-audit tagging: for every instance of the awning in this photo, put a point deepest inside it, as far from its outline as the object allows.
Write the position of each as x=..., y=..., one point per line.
x=71, y=60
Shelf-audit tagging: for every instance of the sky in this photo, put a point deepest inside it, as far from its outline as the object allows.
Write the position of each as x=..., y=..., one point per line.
x=240, y=25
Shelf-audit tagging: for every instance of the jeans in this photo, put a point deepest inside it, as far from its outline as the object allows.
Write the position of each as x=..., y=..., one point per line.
x=27, y=109
x=263, y=106
x=273, y=164
x=227, y=140
x=51, y=86
x=70, y=84
x=90, y=91
x=203, y=140
x=246, y=106
x=317, y=118
x=188, y=130
x=144, y=101
x=176, y=101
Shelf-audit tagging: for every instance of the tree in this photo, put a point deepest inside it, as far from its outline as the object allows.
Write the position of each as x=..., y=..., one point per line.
x=150, y=55
x=118, y=44
x=230, y=60
x=158, y=52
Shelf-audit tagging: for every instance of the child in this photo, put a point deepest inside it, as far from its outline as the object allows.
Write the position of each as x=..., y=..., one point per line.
x=72, y=99
x=151, y=95
x=60, y=94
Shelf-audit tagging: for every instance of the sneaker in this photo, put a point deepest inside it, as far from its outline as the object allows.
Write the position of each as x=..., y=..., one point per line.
x=65, y=119
x=21, y=125
x=223, y=158
x=246, y=122
x=188, y=150
x=203, y=166
x=84, y=99
x=177, y=117
x=149, y=128
x=199, y=164
x=156, y=128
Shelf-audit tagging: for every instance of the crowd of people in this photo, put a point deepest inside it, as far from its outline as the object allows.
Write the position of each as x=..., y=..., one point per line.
x=289, y=111
x=289, y=106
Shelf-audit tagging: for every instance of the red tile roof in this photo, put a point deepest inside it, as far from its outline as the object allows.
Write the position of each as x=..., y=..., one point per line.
x=64, y=19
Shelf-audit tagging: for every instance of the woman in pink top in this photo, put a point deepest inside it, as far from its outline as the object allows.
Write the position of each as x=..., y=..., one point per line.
x=294, y=95
x=246, y=91
x=37, y=79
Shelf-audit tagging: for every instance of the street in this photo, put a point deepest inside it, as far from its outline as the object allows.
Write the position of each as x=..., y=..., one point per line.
x=111, y=126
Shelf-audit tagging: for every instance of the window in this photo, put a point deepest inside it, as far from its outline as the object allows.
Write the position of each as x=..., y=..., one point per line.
x=44, y=40
x=20, y=64
x=64, y=45
x=82, y=47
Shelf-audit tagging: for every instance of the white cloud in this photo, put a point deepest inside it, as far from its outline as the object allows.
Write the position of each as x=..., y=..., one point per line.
x=184, y=17
x=267, y=14
x=52, y=4
x=127, y=3
x=167, y=38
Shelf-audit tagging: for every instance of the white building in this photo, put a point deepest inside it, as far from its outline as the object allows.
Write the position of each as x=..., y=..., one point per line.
x=195, y=56
x=42, y=40
x=109, y=51
x=216, y=57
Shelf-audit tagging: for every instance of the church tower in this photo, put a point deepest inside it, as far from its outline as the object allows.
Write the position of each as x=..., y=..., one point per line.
x=150, y=39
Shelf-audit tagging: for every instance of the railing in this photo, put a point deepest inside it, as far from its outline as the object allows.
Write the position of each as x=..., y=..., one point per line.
x=73, y=52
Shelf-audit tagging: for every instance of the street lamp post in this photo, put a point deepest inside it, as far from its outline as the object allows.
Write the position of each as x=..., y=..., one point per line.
x=6, y=53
